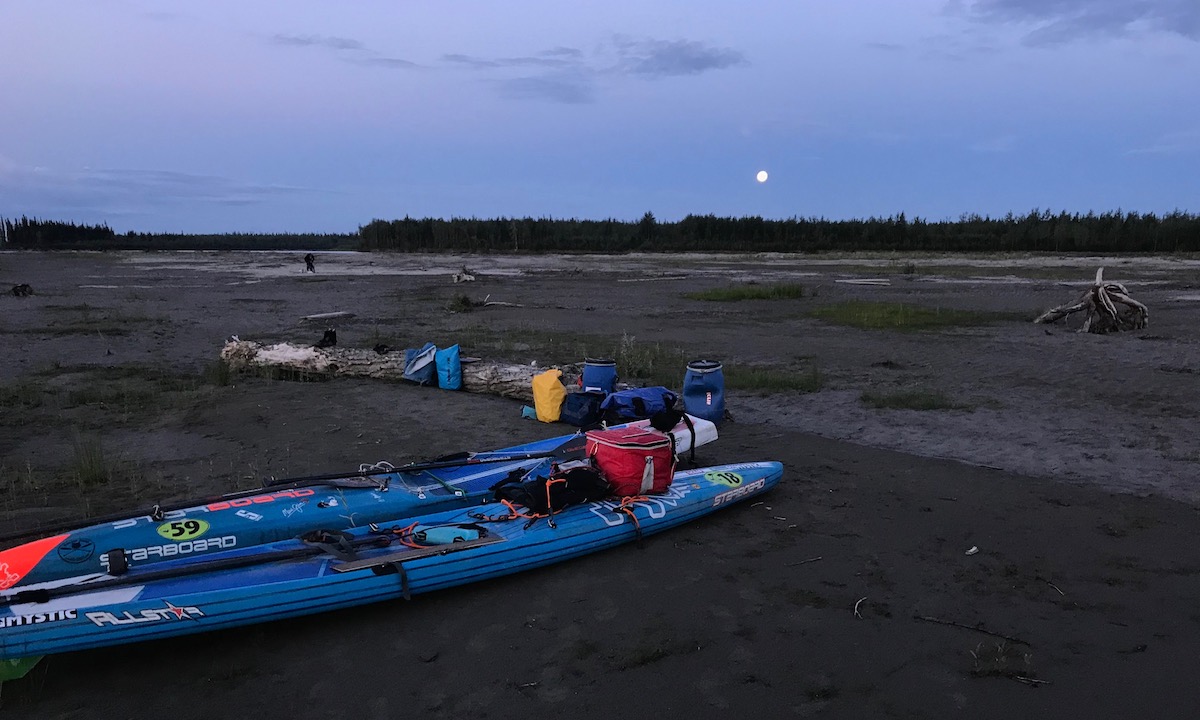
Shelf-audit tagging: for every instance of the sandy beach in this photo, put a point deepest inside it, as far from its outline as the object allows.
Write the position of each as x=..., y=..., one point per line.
x=1072, y=469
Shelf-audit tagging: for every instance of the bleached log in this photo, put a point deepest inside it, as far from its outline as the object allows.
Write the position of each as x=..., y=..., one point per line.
x=489, y=377
x=327, y=316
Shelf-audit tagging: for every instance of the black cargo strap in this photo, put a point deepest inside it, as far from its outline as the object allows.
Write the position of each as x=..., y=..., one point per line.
x=334, y=542
x=692, y=429
x=397, y=567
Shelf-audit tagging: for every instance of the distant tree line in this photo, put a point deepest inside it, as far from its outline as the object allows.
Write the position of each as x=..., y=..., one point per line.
x=1038, y=231
x=34, y=234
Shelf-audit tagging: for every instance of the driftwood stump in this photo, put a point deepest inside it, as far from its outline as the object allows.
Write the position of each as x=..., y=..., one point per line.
x=482, y=376
x=1108, y=308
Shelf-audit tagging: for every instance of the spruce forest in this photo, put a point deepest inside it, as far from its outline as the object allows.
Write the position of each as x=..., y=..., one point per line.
x=1038, y=231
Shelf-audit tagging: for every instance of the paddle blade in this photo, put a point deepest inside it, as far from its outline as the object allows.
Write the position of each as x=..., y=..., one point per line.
x=573, y=449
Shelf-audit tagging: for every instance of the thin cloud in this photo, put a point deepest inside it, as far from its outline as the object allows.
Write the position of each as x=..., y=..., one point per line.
x=563, y=52
x=124, y=188
x=1061, y=21
x=346, y=49
x=668, y=58
x=469, y=61
x=570, y=75
x=387, y=62
x=569, y=89
x=325, y=41
x=476, y=62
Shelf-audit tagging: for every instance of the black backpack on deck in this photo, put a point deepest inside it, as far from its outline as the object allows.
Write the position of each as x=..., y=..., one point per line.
x=578, y=483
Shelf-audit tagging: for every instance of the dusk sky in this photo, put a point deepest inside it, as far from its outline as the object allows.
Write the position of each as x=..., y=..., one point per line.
x=318, y=116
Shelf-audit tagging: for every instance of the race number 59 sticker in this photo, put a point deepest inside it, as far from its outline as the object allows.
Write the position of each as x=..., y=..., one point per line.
x=731, y=479
x=181, y=530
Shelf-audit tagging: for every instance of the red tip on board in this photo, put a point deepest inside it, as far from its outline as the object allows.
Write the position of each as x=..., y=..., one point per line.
x=15, y=563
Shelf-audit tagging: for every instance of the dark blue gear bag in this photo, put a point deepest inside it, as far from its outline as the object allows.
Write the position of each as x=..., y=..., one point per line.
x=582, y=409
x=637, y=403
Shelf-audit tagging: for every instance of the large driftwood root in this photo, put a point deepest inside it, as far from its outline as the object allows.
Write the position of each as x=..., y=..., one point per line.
x=1108, y=308
x=482, y=376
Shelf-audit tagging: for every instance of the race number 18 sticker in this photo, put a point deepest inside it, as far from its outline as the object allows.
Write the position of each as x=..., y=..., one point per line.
x=731, y=479
x=181, y=530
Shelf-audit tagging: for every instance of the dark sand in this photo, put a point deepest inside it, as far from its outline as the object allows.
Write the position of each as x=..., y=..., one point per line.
x=1085, y=527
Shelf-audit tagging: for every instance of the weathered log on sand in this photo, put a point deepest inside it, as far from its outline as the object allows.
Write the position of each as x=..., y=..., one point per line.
x=321, y=317
x=1100, y=305
x=482, y=376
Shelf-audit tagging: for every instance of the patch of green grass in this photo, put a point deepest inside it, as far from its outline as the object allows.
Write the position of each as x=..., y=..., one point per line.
x=20, y=396
x=750, y=291
x=89, y=464
x=459, y=303
x=218, y=373
x=16, y=480
x=652, y=362
x=757, y=378
x=523, y=344
x=638, y=362
x=106, y=329
x=92, y=319
x=129, y=387
x=869, y=315
x=125, y=392
x=912, y=400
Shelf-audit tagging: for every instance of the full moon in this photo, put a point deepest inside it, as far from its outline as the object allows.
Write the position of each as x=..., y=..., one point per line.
x=761, y=176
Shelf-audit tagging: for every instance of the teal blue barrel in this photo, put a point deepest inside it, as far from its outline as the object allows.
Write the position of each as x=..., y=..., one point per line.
x=599, y=375
x=704, y=390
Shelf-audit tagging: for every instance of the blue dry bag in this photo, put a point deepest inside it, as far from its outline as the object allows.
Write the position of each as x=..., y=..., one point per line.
x=704, y=390
x=449, y=368
x=419, y=365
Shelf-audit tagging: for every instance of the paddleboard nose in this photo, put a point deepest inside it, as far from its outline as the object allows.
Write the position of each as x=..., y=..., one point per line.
x=15, y=563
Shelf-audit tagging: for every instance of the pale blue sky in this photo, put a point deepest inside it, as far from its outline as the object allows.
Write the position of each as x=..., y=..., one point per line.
x=314, y=115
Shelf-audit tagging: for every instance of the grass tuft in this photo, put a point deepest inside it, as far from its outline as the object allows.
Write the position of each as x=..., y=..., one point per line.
x=750, y=291
x=218, y=373
x=20, y=397
x=652, y=362
x=459, y=304
x=89, y=465
x=772, y=379
x=867, y=315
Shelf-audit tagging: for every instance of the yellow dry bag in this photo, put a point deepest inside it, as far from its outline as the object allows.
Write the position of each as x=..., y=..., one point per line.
x=548, y=395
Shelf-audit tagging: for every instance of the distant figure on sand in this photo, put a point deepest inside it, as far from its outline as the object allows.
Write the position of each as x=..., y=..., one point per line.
x=310, y=263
